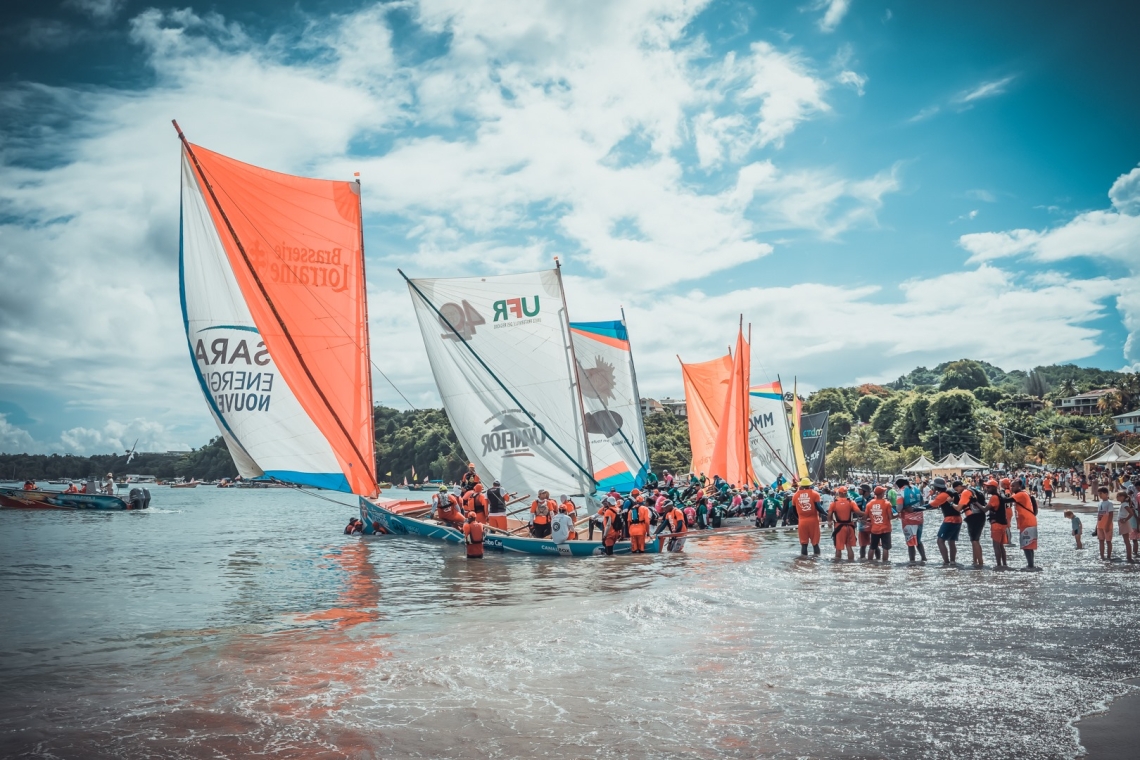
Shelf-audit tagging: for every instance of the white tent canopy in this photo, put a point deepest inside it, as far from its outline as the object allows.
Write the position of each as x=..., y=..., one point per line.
x=967, y=462
x=922, y=464
x=1114, y=454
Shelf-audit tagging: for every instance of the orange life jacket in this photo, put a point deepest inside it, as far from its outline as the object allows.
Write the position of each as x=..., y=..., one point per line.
x=676, y=520
x=474, y=501
x=473, y=532
x=543, y=510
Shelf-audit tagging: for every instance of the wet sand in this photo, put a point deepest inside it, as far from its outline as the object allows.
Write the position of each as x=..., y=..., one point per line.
x=1115, y=733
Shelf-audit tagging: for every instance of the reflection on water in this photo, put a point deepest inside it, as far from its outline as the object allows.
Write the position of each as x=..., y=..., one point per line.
x=228, y=624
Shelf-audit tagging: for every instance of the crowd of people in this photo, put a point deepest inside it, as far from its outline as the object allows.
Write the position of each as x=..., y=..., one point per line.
x=858, y=514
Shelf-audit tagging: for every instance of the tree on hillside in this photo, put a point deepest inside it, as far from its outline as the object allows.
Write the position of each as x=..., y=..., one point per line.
x=885, y=417
x=964, y=375
x=211, y=462
x=1068, y=388
x=870, y=389
x=1035, y=385
x=866, y=407
x=951, y=426
x=989, y=395
x=832, y=400
x=912, y=423
x=839, y=424
x=668, y=437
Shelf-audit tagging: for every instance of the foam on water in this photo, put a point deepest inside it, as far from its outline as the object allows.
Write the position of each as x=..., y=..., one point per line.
x=243, y=623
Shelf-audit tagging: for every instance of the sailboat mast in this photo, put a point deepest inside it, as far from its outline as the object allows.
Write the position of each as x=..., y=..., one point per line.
x=367, y=334
x=637, y=396
x=574, y=375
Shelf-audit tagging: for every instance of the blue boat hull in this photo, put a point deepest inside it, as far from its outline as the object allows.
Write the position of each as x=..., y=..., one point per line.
x=18, y=498
x=402, y=525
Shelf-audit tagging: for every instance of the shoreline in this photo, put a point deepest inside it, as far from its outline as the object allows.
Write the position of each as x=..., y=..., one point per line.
x=1115, y=732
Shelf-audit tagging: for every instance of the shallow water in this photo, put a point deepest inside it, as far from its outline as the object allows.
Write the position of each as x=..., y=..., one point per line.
x=237, y=623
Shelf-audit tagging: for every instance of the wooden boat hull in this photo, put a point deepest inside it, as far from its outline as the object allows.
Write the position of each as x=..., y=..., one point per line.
x=17, y=498
x=392, y=516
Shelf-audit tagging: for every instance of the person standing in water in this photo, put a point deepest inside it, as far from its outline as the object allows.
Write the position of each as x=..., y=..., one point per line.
x=1027, y=522
x=879, y=515
x=1104, y=518
x=974, y=512
x=999, y=523
x=841, y=517
x=951, y=526
x=912, y=515
x=473, y=537
x=1078, y=528
x=806, y=502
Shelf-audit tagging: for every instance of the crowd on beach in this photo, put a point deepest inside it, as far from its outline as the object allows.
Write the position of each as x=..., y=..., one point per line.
x=858, y=514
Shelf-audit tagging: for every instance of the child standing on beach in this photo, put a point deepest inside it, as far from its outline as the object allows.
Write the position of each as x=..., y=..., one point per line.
x=1126, y=520
x=1078, y=528
x=1104, y=515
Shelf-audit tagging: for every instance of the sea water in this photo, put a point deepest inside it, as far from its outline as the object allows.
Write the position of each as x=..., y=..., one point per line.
x=238, y=623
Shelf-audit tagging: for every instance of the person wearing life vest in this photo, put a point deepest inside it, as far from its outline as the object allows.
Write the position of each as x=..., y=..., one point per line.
x=951, y=526
x=879, y=515
x=468, y=479
x=638, y=523
x=475, y=501
x=1026, y=509
x=565, y=503
x=610, y=523
x=806, y=502
x=447, y=507
x=841, y=518
x=473, y=537
x=497, y=506
x=999, y=522
x=974, y=515
x=542, y=511
x=674, y=523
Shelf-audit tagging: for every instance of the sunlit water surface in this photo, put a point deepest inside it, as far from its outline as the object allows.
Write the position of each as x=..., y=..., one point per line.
x=242, y=623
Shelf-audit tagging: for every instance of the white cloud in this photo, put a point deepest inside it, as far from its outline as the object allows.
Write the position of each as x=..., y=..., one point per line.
x=984, y=90
x=851, y=79
x=100, y=10
x=15, y=440
x=836, y=10
x=1112, y=234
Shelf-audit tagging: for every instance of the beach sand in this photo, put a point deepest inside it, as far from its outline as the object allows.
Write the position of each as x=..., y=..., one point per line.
x=1116, y=733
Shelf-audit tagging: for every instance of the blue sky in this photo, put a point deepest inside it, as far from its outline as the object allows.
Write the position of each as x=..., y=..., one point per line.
x=875, y=185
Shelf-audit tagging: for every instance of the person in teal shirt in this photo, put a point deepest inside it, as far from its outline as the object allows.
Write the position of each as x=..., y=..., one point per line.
x=769, y=510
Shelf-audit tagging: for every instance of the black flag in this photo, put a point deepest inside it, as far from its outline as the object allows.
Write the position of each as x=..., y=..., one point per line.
x=813, y=433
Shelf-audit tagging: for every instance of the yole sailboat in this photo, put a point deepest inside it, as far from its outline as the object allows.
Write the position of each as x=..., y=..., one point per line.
x=276, y=318
x=503, y=354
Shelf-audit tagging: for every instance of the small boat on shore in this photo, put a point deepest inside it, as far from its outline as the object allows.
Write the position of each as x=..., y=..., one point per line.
x=18, y=498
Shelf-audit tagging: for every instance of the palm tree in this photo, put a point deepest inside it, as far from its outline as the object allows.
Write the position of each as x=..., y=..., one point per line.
x=1129, y=387
x=1068, y=388
x=1110, y=404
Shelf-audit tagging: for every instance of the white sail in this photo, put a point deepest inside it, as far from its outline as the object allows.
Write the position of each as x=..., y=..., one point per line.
x=613, y=411
x=501, y=355
x=769, y=437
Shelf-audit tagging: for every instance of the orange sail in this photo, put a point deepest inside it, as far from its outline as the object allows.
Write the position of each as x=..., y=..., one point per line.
x=732, y=457
x=706, y=387
x=296, y=250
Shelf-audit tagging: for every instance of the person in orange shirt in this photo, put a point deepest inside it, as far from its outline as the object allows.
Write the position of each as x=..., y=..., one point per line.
x=468, y=479
x=607, y=518
x=999, y=522
x=879, y=514
x=1047, y=489
x=473, y=537
x=974, y=515
x=1026, y=521
x=475, y=501
x=638, y=519
x=448, y=508
x=841, y=518
x=807, y=505
x=674, y=521
x=542, y=512
x=951, y=521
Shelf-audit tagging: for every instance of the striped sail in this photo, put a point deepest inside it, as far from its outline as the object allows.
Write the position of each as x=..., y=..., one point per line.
x=613, y=411
x=769, y=435
x=273, y=303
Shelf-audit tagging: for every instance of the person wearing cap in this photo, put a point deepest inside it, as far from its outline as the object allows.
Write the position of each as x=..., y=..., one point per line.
x=638, y=521
x=597, y=520
x=1026, y=509
x=610, y=524
x=567, y=504
x=109, y=485
x=447, y=507
x=841, y=515
x=806, y=501
x=999, y=522
x=674, y=522
x=974, y=515
x=351, y=527
x=542, y=511
x=473, y=537
x=475, y=501
x=497, y=506
x=951, y=526
x=879, y=515
x=469, y=479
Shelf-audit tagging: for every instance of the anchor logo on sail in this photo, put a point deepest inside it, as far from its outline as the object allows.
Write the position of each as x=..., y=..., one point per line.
x=513, y=434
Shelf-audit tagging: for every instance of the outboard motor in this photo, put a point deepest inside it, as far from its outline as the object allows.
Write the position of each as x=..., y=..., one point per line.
x=139, y=498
